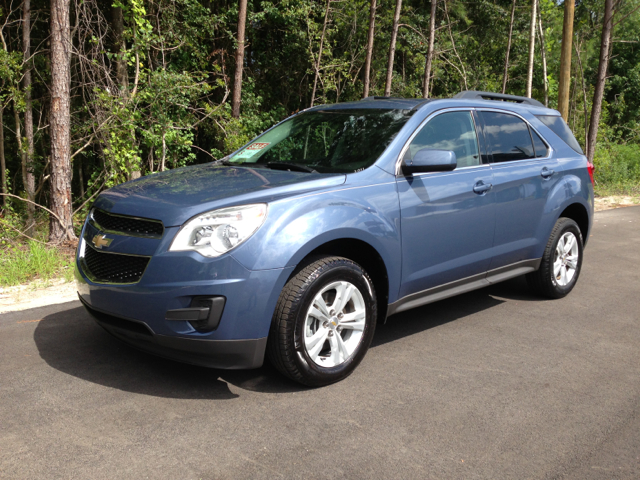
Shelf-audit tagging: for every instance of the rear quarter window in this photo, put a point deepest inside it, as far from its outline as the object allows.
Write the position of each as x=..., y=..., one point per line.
x=560, y=128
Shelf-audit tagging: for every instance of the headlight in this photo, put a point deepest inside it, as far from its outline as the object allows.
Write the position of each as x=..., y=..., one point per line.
x=214, y=233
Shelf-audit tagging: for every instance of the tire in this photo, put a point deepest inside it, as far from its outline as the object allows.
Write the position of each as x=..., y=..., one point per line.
x=312, y=339
x=561, y=261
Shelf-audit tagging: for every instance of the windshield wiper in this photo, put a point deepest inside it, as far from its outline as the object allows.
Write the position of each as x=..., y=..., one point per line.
x=292, y=167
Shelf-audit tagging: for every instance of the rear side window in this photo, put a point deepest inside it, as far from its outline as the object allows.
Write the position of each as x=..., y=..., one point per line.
x=508, y=137
x=560, y=128
x=539, y=145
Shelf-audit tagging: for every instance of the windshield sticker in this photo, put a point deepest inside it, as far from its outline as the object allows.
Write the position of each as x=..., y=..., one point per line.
x=252, y=149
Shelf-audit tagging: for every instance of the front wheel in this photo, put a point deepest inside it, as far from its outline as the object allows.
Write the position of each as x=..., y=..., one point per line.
x=324, y=322
x=561, y=261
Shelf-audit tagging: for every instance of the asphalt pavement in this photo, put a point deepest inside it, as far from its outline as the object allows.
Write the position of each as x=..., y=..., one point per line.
x=494, y=384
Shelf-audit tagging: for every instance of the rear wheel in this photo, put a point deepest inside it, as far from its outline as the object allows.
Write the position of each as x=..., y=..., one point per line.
x=324, y=322
x=561, y=262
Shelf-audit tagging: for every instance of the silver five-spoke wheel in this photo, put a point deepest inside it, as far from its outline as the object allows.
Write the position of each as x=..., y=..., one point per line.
x=561, y=261
x=565, y=262
x=334, y=324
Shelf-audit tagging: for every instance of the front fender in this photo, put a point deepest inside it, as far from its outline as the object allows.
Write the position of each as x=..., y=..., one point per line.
x=297, y=226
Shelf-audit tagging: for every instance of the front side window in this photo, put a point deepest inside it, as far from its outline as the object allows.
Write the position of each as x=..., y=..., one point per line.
x=508, y=137
x=449, y=131
x=326, y=141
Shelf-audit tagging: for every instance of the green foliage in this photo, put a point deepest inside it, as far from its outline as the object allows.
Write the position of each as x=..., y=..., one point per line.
x=173, y=107
x=617, y=169
x=22, y=263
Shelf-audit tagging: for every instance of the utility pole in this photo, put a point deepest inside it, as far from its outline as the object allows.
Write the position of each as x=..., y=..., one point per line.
x=565, y=59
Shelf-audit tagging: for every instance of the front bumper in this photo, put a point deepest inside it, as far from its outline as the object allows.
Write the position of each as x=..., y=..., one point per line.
x=228, y=354
x=143, y=314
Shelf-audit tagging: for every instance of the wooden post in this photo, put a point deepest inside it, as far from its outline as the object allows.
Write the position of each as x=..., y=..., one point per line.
x=565, y=59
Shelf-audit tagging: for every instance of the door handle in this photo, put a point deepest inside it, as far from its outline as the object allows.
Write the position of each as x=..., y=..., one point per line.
x=546, y=172
x=482, y=187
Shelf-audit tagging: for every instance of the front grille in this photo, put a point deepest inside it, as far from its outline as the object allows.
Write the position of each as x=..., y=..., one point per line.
x=128, y=225
x=113, y=267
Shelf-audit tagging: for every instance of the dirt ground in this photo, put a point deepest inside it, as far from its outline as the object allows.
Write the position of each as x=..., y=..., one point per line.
x=38, y=294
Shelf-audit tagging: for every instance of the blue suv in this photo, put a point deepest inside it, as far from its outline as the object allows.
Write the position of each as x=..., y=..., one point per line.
x=295, y=246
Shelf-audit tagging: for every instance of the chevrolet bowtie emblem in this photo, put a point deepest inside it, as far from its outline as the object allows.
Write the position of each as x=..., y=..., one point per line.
x=100, y=241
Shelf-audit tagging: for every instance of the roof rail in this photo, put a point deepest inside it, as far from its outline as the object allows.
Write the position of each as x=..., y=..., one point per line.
x=379, y=97
x=499, y=97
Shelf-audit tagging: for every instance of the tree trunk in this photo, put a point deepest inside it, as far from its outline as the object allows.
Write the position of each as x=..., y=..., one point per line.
x=117, y=21
x=532, y=46
x=584, y=100
x=237, y=78
x=544, y=61
x=59, y=121
x=3, y=164
x=429, y=60
x=367, y=63
x=28, y=179
x=317, y=74
x=603, y=64
x=565, y=60
x=392, y=48
x=462, y=71
x=506, y=58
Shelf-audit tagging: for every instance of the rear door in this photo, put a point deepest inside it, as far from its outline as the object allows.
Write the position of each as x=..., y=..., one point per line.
x=524, y=173
x=447, y=218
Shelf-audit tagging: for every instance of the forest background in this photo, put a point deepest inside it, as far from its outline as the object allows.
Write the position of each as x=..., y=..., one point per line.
x=150, y=85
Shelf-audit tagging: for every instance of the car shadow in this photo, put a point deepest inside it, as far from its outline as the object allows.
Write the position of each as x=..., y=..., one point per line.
x=71, y=342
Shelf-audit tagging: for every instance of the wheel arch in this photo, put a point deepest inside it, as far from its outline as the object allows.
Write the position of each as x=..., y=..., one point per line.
x=365, y=255
x=578, y=213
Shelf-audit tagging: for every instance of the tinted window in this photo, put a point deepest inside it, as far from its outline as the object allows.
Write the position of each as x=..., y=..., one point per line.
x=539, y=146
x=328, y=141
x=508, y=137
x=560, y=128
x=449, y=131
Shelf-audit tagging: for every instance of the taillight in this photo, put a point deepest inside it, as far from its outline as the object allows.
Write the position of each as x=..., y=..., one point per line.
x=590, y=169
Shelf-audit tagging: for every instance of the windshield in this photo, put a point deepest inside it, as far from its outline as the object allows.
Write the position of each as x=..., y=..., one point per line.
x=326, y=141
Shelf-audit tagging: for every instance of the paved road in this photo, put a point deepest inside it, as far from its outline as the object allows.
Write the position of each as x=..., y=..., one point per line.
x=493, y=384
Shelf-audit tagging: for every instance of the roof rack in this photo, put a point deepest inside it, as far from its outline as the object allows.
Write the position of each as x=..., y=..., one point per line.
x=379, y=97
x=499, y=97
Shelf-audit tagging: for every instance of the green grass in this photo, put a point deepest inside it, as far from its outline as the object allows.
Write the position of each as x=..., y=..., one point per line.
x=617, y=170
x=22, y=263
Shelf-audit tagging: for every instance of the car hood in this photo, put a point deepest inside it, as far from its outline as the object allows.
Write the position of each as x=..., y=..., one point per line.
x=177, y=195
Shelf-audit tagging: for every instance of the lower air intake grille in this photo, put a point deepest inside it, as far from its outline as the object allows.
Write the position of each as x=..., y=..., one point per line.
x=113, y=267
x=128, y=225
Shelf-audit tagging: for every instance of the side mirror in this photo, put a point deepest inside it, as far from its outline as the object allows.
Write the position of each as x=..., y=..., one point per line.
x=429, y=160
